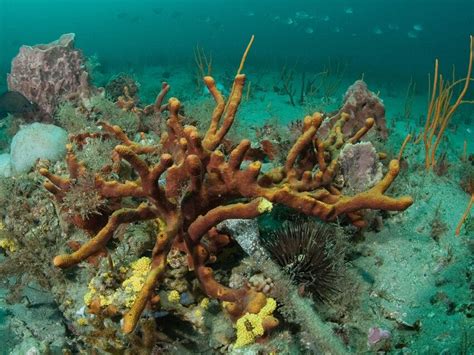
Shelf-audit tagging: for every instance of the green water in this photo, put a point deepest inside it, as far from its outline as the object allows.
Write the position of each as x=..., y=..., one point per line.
x=406, y=273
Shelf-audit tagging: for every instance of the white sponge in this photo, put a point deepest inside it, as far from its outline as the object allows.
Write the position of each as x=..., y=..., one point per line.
x=36, y=141
x=5, y=165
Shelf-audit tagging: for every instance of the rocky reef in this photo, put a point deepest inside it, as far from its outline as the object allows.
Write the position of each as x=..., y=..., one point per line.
x=146, y=220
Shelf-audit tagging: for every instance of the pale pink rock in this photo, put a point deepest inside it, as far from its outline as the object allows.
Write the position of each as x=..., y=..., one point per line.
x=360, y=167
x=360, y=103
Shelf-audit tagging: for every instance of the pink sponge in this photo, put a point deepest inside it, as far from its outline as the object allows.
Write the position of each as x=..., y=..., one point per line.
x=47, y=73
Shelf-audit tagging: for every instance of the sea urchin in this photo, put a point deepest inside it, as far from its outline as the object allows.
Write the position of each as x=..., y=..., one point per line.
x=310, y=254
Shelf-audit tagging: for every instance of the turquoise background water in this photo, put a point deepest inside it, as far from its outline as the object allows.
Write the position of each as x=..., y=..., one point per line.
x=374, y=36
x=389, y=41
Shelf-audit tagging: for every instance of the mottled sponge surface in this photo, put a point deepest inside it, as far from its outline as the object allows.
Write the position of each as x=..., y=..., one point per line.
x=47, y=73
x=37, y=141
x=360, y=167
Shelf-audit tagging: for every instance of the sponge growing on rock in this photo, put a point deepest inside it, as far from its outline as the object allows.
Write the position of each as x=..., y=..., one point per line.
x=37, y=141
x=5, y=165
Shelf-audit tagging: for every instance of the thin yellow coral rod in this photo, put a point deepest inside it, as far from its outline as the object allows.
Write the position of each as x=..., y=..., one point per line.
x=198, y=59
x=442, y=105
x=429, y=115
x=429, y=89
x=241, y=66
x=433, y=99
x=202, y=61
x=437, y=108
x=464, y=216
x=459, y=81
x=467, y=79
x=244, y=57
x=209, y=64
x=464, y=152
x=458, y=101
x=402, y=149
x=428, y=104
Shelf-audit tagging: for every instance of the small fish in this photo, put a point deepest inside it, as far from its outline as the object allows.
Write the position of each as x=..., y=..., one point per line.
x=412, y=34
x=250, y=14
x=157, y=10
x=377, y=31
x=289, y=21
x=301, y=15
x=393, y=27
x=16, y=104
x=337, y=29
x=309, y=30
x=326, y=18
x=348, y=10
x=418, y=27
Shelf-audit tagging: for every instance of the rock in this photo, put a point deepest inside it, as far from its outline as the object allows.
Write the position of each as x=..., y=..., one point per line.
x=360, y=103
x=186, y=299
x=36, y=323
x=245, y=233
x=36, y=141
x=360, y=167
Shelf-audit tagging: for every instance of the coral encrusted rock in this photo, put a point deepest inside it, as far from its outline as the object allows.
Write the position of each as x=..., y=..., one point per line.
x=359, y=103
x=360, y=167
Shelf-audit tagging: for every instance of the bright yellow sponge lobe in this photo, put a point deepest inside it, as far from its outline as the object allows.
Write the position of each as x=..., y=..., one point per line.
x=127, y=293
x=173, y=296
x=249, y=327
x=8, y=244
x=134, y=283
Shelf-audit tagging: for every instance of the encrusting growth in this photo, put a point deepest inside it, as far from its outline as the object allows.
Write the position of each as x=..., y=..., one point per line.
x=195, y=185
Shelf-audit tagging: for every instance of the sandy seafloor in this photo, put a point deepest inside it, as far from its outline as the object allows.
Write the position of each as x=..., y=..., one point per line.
x=418, y=288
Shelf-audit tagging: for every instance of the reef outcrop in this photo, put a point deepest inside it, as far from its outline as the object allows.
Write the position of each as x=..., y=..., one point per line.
x=359, y=103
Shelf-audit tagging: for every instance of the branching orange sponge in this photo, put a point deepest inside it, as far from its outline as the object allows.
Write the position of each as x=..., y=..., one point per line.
x=195, y=185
